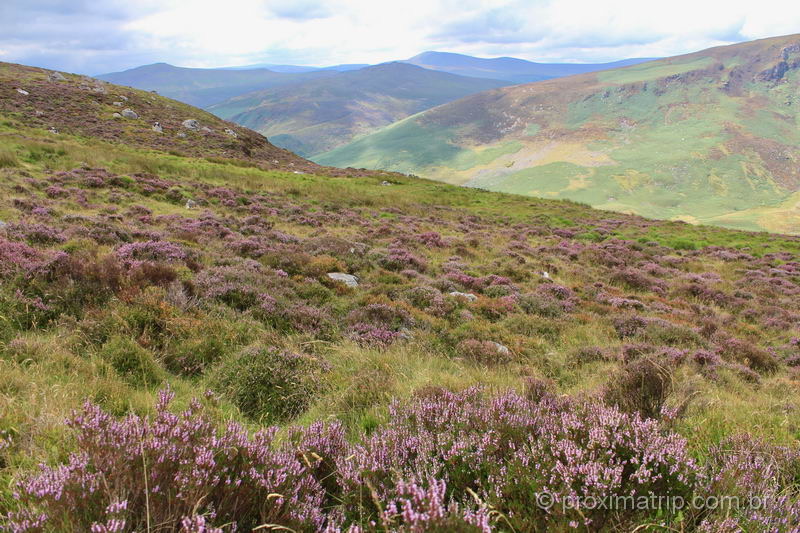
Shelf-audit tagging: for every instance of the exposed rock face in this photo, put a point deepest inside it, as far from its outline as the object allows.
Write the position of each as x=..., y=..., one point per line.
x=191, y=124
x=56, y=76
x=348, y=279
x=130, y=113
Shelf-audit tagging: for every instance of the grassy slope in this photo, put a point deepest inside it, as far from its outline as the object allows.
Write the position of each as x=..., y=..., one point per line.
x=707, y=137
x=76, y=334
x=203, y=87
x=318, y=115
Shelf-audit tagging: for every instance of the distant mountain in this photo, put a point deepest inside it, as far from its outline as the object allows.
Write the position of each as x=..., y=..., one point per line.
x=711, y=137
x=319, y=114
x=299, y=68
x=203, y=87
x=508, y=68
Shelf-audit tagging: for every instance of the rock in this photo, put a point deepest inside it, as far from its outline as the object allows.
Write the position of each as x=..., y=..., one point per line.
x=158, y=129
x=348, y=279
x=500, y=348
x=118, y=104
x=53, y=131
x=191, y=204
x=230, y=132
x=191, y=124
x=56, y=76
x=466, y=295
x=116, y=115
x=297, y=172
x=206, y=129
x=181, y=135
x=546, y=275
x=129, y=113
x=385, y=183
x=23, y=92
x=123, y=98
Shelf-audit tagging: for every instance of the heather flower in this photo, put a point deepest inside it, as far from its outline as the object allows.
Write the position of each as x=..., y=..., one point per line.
x=136, y=252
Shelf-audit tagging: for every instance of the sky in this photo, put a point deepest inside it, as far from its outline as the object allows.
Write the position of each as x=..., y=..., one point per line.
x=98, y=36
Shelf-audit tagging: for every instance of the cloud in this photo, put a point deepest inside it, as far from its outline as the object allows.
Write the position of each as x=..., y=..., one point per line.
x=92, y=37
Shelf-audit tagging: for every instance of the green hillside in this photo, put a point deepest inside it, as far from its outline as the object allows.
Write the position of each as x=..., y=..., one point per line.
x=318, y=115
x=203, y=333
x=708, y=137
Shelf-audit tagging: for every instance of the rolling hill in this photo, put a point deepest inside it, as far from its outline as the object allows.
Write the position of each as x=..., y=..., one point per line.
x=195, y=338
x=203, y=87
x=705, y=137
x=320, y=114
x=510, y=69
x=69, y=104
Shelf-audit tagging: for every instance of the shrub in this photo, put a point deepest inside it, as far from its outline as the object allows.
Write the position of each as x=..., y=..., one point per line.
x=267, y=384
x=135, y=364
x=746, y=353
x=483, y=352
x=173, y=470
x=641, y=385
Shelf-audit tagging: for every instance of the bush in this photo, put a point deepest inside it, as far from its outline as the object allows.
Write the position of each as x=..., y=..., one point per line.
x=267, y=384
x=192, y=474
x=135, y=364
x=642, y=386
x=483, y=352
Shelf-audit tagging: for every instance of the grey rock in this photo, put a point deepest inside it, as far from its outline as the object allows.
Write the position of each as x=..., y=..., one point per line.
x=191, y=124
x=348, y=279
x=123, y=98
x=181, y=135
x=23, y=92
x=53, y=130
x=116, y=115
x=206, y=129
x=546, y=275
x=56, y=76
x=157, y=128
x=129, y=113
x=466, y=295
x=191, y=204
x=500, y=348
x=118, y=104
x=385, y=183
x=230, y=132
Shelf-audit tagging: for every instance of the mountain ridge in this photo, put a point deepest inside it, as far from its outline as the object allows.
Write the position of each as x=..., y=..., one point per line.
x=707, y=136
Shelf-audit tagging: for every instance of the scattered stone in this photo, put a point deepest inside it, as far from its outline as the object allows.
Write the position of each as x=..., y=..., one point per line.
x=466, y=295
x=500, y=348
x=385, y=183
x=348, y=279
x=181, y=135
x=116, y=115
x=56, y=76
x=191, y=204
x=129, y=113
x=23, y=92
x=53, y=130
x=123, y=98
x=230, y=132
x=191, y=124
x=546, y=275
x=297, y=172
x=206, y=129
x=118, y=104
x=157, y=128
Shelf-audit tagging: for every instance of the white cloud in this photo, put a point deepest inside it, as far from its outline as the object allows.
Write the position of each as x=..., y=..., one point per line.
x=214, y=33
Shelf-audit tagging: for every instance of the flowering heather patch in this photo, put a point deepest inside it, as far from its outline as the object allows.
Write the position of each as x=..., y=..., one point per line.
x=138, y=472
x=137, y=252
x=242, y=286
x=35, y=233
x=398, y=258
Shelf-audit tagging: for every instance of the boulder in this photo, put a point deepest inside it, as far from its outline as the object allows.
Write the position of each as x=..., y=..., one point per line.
x=191, y=124
x=348, y=279
x=116, y=115
x=191, y=204
x=157, y=128
x=56, y=76
x=466, y=295
x=501, y=348
x=230, y=132
x=129, y=113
